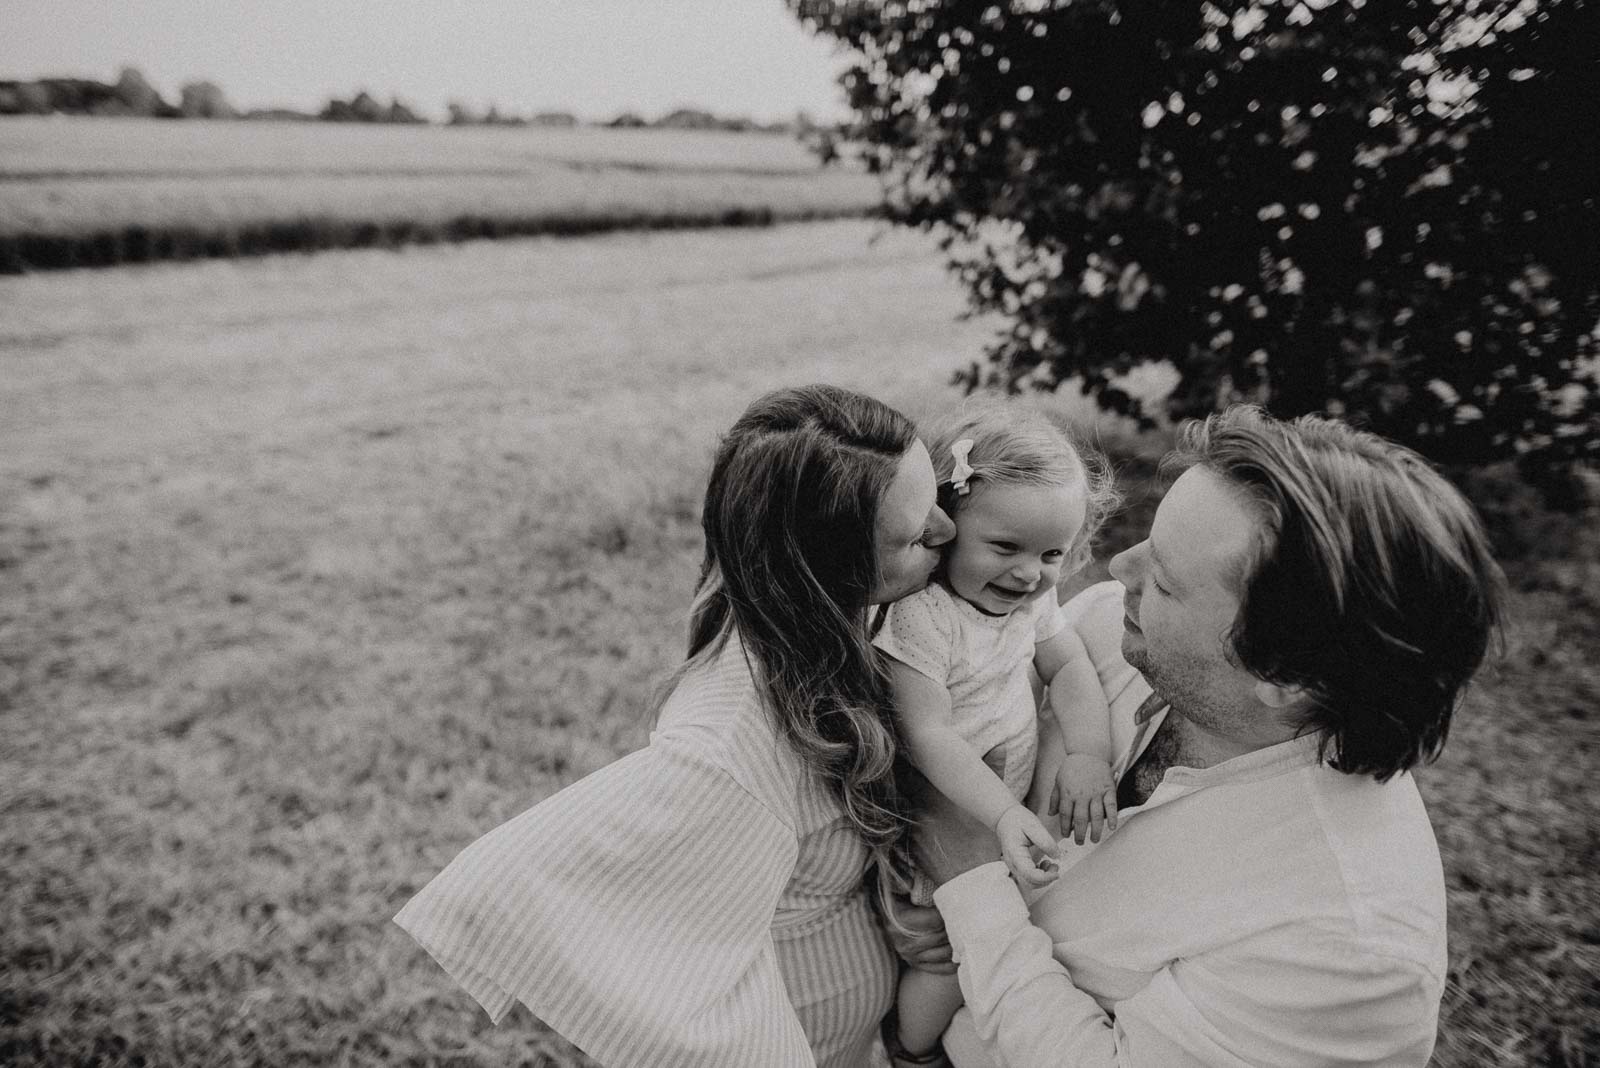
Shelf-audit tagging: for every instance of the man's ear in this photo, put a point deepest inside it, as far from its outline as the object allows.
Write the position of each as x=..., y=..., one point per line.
x=1276, y=696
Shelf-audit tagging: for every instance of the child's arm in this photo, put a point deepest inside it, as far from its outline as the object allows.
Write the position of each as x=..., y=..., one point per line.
x=961, y=775
x=1088, y=797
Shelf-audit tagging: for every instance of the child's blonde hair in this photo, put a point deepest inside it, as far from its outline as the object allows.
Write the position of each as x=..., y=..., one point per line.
x=1013, y=445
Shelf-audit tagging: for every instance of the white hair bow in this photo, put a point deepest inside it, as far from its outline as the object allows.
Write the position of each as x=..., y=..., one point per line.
x=962, y=472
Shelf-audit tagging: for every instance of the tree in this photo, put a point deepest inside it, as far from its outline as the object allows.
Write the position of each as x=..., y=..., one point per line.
x=138, y=97
x=205, y=100
x=1387, y=211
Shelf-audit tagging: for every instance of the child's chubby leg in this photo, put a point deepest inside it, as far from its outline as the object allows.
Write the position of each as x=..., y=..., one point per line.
x=925, y=1004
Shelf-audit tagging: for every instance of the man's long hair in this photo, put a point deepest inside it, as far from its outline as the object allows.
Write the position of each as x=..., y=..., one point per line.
x=1371, y=585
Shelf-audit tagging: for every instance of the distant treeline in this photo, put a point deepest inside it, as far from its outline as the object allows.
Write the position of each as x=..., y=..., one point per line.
x=132, y=95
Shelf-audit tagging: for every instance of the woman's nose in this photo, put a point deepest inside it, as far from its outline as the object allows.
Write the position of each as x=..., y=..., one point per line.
x=940, y=528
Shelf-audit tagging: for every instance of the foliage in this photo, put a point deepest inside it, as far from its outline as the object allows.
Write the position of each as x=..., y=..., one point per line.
x=1381, y=210
x=363, y=107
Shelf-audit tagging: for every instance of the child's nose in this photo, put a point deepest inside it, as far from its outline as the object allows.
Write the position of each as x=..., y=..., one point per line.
x=1027, y=570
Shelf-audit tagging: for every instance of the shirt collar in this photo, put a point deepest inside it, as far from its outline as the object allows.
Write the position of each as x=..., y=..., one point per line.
x=1292, y=755
x=1302, y=751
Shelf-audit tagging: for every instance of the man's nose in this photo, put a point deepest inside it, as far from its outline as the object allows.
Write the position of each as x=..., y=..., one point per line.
x=1125, y=566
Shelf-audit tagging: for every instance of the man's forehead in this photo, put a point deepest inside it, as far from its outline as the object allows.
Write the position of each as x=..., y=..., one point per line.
x=1202, y=530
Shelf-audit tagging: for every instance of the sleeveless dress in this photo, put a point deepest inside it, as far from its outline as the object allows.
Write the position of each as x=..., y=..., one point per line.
x=697, y=903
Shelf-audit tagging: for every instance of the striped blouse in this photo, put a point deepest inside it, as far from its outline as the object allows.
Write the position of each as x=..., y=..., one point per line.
x=698, y=902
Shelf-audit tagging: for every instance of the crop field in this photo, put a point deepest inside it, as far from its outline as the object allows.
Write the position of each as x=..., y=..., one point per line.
x=96, y=192
x=312, y=569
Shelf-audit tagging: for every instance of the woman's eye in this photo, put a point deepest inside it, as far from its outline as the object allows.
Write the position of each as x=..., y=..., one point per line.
x=1159, y=588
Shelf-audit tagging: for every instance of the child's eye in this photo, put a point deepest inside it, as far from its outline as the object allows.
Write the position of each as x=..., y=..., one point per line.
x=1004, y=546
x=1054, y=554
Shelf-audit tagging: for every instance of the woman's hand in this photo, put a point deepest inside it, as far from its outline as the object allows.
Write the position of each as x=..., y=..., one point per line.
x=917, y=934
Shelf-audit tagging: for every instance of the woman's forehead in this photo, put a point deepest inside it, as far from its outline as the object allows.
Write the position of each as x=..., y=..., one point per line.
x=909, y=497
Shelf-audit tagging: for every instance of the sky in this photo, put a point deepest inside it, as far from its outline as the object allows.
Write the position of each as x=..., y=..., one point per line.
x=594, y=58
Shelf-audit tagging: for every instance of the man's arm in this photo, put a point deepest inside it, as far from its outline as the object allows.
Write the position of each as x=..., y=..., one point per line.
x=1023, y=1001
x=1295, y=997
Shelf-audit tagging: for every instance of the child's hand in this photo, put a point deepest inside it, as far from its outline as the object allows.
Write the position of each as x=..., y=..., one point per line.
x=1018, y=829
x=1088, y=797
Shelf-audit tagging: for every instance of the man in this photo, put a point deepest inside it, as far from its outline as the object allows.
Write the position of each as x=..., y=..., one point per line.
x=1289, y=641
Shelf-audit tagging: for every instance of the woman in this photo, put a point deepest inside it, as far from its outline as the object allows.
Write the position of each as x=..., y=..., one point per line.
x=700, y=902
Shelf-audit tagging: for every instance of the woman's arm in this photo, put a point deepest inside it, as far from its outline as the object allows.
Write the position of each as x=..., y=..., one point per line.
x=632, y=913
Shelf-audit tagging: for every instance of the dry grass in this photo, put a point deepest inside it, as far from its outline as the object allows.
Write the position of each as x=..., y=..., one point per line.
x=311, y=570
x=88, y=192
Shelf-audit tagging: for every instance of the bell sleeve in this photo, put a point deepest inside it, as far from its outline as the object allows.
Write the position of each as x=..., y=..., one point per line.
x=631, y=912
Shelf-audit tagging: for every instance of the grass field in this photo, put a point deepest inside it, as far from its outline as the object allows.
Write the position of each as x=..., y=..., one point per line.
x=313, y=569
x=98, y=192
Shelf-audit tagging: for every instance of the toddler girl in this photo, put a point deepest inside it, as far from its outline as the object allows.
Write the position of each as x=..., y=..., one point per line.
x=1026, y=504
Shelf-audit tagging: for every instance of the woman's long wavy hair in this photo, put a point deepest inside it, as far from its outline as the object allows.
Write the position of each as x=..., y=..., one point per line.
x=790, y=521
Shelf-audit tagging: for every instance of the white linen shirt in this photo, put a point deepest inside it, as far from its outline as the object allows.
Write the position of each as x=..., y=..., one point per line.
x=1268, y=910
